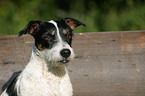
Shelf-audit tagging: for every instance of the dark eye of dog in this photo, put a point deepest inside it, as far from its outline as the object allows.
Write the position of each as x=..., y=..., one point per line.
x=48, y=37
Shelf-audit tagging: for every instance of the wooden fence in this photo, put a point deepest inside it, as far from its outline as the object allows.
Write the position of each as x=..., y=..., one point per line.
x=106, y=63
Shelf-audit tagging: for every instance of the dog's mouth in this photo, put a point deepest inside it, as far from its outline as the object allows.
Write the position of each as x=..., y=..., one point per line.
x=64, y=60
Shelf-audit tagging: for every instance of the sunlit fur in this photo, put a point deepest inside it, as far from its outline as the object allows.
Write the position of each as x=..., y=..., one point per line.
x=49, y=79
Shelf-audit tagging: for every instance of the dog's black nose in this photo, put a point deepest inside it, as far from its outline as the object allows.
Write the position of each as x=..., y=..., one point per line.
x=65, y=53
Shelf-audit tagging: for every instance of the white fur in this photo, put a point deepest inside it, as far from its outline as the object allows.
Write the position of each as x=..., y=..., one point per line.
x=44, y=75
x=4, y=93
x=42, y=79
x=57, y=30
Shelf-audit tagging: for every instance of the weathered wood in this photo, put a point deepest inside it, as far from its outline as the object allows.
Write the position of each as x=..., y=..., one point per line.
x=106, y=63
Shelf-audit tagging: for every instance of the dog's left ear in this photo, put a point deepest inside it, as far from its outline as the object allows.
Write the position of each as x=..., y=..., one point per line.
x=72, y=23
x=31, y=28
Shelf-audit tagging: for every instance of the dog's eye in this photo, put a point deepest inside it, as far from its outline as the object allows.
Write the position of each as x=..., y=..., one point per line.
x=48, y=38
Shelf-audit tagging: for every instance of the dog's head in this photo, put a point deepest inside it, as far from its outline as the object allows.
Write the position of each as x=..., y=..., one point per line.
x=53, y=38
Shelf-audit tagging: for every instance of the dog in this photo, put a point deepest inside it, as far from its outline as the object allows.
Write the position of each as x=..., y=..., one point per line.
x=46, y=73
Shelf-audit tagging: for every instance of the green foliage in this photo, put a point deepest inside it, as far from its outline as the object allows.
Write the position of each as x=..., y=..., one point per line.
x=98, y=15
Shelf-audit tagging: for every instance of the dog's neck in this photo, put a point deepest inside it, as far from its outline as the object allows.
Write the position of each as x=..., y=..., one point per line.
x=47, y=66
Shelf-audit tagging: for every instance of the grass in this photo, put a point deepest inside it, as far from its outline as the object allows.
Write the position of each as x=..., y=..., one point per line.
x=14, y=18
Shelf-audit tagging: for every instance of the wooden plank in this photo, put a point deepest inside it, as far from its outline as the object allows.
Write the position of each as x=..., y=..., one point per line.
x=106, y=63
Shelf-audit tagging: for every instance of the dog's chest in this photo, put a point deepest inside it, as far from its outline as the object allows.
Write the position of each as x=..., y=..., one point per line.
x=44, y=83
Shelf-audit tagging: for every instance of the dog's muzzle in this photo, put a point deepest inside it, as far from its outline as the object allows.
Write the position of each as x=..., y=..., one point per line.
x=65, y=53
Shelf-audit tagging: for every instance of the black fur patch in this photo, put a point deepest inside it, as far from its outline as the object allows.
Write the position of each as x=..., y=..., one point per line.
x=65, y=32
x=10, y=85
x=46, y=36
x=11, y=91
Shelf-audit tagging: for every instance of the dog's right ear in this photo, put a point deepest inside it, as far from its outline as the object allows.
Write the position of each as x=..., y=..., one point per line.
x=31, y=28
x=72, y=23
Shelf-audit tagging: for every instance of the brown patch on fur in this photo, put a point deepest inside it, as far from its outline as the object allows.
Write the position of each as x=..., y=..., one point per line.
x=40, y=47
x=70, y=23
x=33, y=27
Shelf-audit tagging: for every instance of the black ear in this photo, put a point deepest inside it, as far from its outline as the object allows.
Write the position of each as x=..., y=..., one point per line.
x=31, y=28
x=72, y=23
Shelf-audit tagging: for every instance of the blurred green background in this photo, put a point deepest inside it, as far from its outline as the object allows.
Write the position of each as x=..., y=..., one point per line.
x=98, y=15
